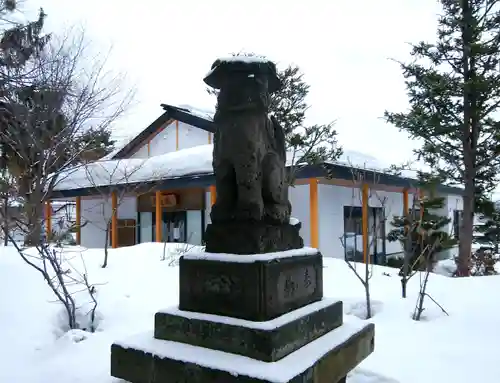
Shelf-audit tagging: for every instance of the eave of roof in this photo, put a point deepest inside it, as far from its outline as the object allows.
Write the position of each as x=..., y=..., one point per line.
x=205, y=180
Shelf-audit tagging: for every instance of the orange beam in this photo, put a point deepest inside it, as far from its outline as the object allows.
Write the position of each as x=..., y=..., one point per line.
x=78, y=220
x=114, y=220
x=364, y=211
x=358, y=184
x=213, y=195
x=209, y=137
x=313, y=211
x=406, y=209
x=176, y=135
x=48, y=220
x=158, y=216
x=149, y=148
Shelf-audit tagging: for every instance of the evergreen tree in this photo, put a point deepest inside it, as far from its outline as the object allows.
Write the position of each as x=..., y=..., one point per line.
x=454, y=92
x=18, y=44
x=422, y=235
x=58, y=116
x=309, y=144
x=490, y=228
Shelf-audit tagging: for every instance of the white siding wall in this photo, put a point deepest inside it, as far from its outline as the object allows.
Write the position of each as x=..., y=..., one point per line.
x=166, y=140
x=299, y=197
x=331, y=202
x=96, y=213
x=189, y=136
x=141, y=153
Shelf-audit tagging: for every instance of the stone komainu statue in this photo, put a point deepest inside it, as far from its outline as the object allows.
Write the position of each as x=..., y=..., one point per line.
x=249, y=156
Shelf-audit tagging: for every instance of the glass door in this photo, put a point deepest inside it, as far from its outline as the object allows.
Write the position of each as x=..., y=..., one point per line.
x=174, y=226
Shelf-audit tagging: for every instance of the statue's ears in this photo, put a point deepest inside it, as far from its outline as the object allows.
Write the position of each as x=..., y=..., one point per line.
x=223, y=68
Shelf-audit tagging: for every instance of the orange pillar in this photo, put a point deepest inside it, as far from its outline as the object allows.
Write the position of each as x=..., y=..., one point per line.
x=364, y=221
x=406, y=209
x=313, y=211
x=209, y=137
x=48, y=220
x=114, y=220
x=158, y=221
x=78, y=222
x=213, y=195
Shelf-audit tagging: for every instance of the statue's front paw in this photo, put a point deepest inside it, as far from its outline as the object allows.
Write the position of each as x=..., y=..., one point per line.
x=250, y=212
x=277, y=213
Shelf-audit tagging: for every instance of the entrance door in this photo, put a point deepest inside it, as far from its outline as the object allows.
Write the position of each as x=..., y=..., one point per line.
x=174, y=226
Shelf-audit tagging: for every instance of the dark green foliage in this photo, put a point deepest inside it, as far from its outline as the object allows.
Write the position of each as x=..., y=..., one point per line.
x=21, y=42
x=17, y=45
x=310, y=144
x=489, y=229
x=453, y=87
x=32, y=138
x=48, y=109
x=422, y=236
x=483, y=263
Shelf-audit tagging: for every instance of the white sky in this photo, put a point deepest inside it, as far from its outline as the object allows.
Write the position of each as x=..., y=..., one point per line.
x=343, y=47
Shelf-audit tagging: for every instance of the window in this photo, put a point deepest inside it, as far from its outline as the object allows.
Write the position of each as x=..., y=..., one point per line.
x=353, y=220
x=415, y=213
x=457, y=222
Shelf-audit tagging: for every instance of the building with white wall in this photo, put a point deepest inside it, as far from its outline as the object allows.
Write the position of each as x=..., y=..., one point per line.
x=159, y=186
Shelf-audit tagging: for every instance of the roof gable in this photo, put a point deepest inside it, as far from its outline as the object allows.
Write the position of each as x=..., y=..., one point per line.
x=171, y=114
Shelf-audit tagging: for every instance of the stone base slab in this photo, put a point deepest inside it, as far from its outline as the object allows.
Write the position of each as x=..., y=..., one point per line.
x=267, y=341
x=328, y=359
x=251, y=237
x=256, y=287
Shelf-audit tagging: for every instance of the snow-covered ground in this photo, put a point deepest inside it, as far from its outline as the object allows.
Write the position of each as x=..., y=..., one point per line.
x=460, y=348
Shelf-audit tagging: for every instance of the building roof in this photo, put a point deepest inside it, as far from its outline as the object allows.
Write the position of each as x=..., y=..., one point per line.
x=193, y=167
x=186, y=114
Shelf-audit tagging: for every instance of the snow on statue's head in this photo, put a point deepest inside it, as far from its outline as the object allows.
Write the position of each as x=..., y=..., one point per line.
x=243, y=82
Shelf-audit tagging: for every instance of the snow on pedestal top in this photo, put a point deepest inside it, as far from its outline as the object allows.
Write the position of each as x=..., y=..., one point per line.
x=264, y=326
x=250, y=258
x=278, y=372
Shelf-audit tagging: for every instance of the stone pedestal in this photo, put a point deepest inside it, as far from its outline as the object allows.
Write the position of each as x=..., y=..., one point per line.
x=252, y=237
x=247, y=318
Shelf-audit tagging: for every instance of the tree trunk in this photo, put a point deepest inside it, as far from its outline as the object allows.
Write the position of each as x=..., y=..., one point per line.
x=466, y=232
x=105, y=263
x=421, y=296
x=469, y=141
x=368, y=300
x=33, y=219
x=367, y=291
x=6, y=219
x=34, y=232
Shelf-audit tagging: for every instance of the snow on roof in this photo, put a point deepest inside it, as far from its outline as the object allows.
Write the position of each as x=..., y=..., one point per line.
x=365, y=161
x=196, y=160
x=202, y=113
